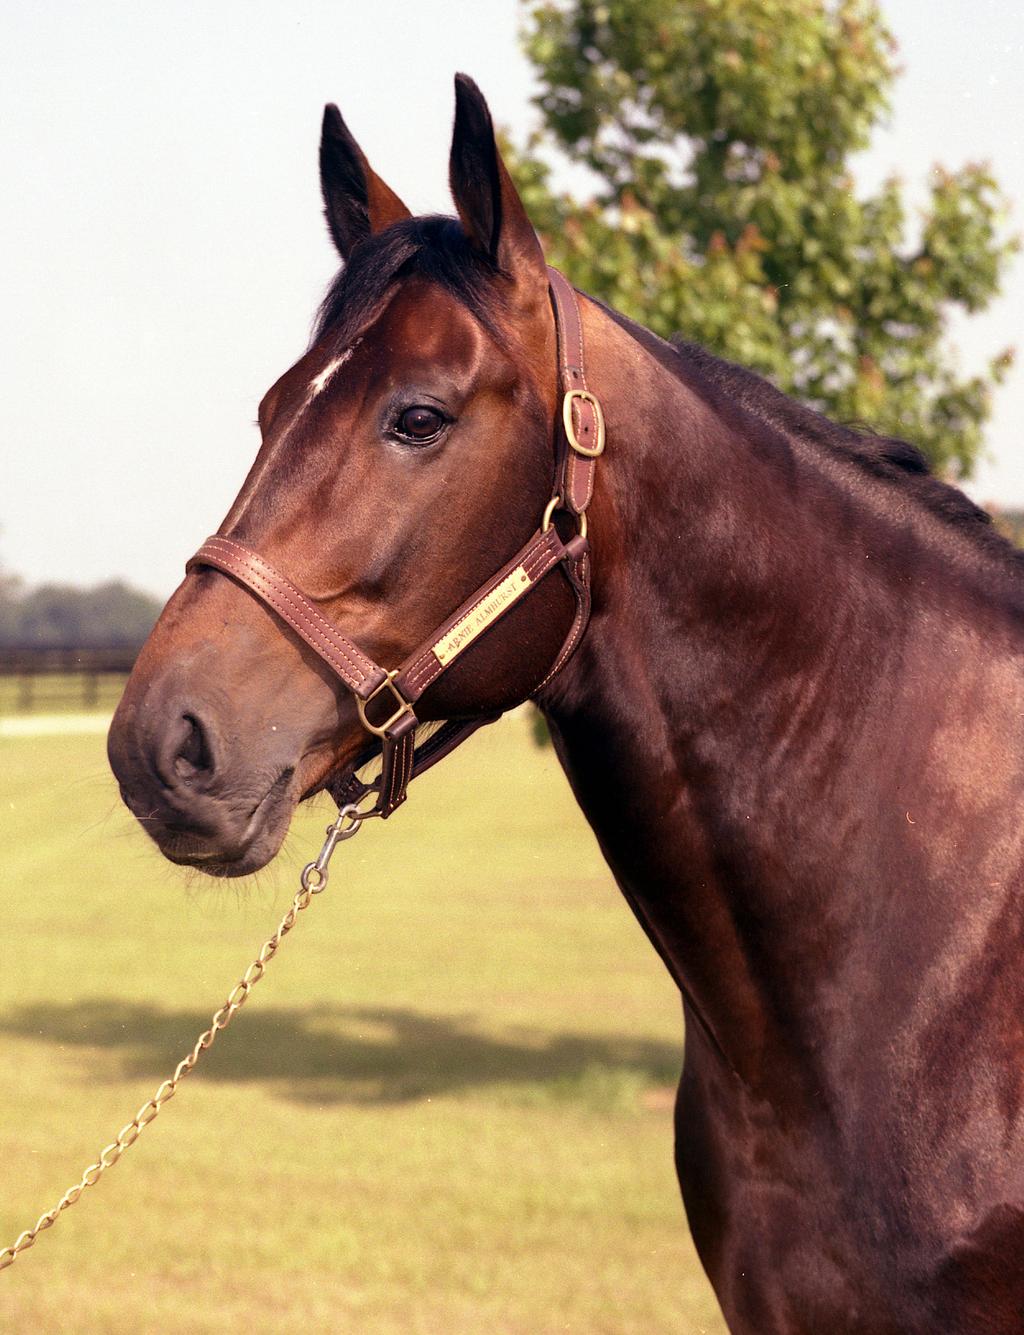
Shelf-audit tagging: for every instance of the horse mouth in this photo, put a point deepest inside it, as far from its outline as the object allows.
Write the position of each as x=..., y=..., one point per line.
x=239, y=843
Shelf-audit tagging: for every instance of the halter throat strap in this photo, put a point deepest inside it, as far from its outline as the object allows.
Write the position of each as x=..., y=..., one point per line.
x=386, y=699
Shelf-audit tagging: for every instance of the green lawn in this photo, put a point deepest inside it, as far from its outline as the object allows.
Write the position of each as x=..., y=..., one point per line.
x=447, y=1108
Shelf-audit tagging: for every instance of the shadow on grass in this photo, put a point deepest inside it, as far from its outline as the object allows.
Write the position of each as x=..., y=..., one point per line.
x=332, y=1055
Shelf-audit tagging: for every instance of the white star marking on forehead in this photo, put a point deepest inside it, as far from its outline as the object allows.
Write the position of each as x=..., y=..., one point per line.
x=320, y=381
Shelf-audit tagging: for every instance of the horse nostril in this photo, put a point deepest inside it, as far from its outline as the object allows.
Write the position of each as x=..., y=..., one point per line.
x=193, y=755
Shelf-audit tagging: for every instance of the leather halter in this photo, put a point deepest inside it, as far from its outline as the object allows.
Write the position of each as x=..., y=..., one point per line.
x=390, y=697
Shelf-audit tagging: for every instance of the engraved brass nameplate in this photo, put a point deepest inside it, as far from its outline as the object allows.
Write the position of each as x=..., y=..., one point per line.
x=464, y=632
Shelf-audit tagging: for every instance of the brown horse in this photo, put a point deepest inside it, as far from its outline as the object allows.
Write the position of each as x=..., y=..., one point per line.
x=793, y=721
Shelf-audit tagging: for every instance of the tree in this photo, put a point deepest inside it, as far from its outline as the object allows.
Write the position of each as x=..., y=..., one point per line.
x=11, y=589
x=719, y=133
x=109, y=616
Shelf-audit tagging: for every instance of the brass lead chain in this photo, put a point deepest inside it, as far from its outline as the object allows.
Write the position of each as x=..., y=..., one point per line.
x=313, y=881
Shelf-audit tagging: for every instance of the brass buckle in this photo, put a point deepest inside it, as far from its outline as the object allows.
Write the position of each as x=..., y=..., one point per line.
x=588, y=451
x=404, y=707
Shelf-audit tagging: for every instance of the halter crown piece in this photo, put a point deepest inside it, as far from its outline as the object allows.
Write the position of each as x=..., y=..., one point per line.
x=386, y=700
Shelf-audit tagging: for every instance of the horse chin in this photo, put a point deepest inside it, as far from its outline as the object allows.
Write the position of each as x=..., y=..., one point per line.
x=243, y=862
x=249, y=850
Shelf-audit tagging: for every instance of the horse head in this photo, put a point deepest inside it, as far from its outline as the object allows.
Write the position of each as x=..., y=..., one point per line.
x=405, y=456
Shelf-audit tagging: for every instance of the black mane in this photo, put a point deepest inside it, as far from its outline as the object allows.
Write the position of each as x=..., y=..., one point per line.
x=885, y=457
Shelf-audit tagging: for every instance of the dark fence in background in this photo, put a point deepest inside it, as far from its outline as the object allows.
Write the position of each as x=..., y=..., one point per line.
x=36, y=680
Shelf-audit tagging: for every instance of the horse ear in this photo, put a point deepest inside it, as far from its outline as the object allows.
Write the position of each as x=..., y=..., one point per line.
x=491, y=212
x=357, y=203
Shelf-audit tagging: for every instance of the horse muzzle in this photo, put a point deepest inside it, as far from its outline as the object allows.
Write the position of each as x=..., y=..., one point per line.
x=205, y=804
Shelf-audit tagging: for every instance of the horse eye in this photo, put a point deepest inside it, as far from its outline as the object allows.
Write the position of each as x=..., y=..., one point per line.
x=420, y=423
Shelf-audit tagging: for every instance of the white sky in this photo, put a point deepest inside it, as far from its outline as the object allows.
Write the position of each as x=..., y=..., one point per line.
x=162, y=248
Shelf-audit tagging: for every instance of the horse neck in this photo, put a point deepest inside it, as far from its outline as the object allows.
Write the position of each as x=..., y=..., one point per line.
x=742, y=724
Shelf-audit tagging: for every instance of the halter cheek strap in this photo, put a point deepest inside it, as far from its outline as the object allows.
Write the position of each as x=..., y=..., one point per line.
x=582, y=436
x=385, y=700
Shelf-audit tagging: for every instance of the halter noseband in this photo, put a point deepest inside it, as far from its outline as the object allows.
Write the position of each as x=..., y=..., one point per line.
x=580, y=439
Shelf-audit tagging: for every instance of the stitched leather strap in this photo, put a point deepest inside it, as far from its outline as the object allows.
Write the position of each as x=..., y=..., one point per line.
x=516, y=579
x=576, y=468
x=360, y=674
x=349, y=788
x=399, y=757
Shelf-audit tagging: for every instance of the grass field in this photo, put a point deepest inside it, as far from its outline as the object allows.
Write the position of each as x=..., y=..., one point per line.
x=447, y=1108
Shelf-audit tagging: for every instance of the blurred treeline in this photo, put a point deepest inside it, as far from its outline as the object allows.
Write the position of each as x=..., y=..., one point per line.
x=1010, y=523
x=52, y=616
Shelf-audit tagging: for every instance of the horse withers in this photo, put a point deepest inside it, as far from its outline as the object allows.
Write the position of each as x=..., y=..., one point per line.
x=793, y=721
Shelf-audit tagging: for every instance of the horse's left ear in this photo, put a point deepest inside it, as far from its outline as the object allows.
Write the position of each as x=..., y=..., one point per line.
x=357, y=202
x=489, y=206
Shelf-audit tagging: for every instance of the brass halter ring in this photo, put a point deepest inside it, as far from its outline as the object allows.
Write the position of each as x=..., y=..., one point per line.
x=554, y=504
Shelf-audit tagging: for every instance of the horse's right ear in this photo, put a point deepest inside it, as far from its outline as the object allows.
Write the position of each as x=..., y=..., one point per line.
x=357, y=203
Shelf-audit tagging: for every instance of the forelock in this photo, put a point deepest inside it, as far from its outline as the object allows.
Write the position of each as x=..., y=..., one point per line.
x=435, y=247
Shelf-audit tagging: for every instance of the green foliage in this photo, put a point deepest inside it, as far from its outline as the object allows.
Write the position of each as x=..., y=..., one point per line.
x=719, y=133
